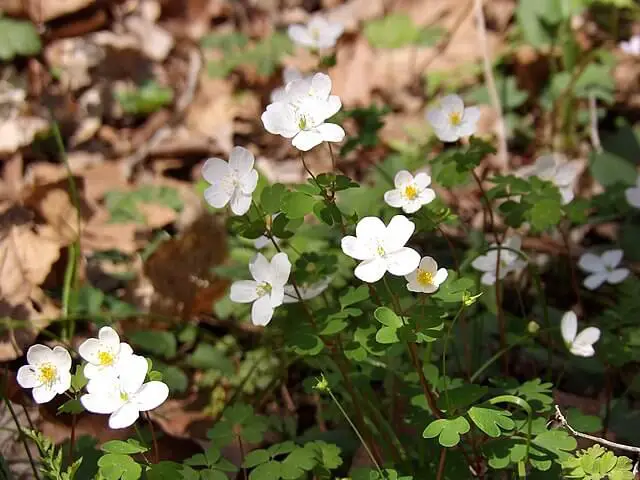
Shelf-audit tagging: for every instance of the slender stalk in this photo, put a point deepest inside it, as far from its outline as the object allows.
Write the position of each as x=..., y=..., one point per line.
x=333, y=158
x=154, y=440
x=304, y=164
x=242, y=455
x=72, y=438
x=441, y=464
x=444, y=352
x=23, y=439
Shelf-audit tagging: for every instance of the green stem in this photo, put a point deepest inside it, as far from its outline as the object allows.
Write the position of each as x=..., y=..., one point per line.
x=444, y=354
x=12, y=412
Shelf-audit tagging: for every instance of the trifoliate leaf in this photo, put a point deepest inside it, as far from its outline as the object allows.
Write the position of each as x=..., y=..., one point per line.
x=114, y=466
x=545, y=214
x=447, y=430
x=129, y=447
x=353, y=296
x=297, y=204
x=271, y=198
x=160, y=343
x=256, y=457
x=267, y=471
x=491, y=419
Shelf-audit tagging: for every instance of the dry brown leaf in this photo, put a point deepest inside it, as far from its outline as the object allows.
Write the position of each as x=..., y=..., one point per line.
x=156, y=215
x=18, y=132
x=43, y=11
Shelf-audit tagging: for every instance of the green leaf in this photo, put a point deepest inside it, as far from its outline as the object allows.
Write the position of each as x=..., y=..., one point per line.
x=271, y=198
x=72, y=406
x=447, y=430
x=284, y=227
x=207, y=356
x=267, y=471
x=460, y=397
x=119, y=467
x=256, y=457
x=583, y=423
x=545, y=214
x=353, y=296
x=393, y=31
x=297, y=462
x=129, y=447
x=491, y=419
x=18, y=37
x=538, y=21
x=213, y=475
x=173, y=376
x=164, y=470
x=387, y=317
x=78, y=380
x=328, y=454
x=297, y=204
x=608, y=169
x=305, y=343
x=160, y=343
x=145, y=99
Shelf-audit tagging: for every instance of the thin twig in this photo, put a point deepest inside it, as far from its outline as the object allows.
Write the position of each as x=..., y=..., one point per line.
x=441, y=463
x=620, y=446
x=594, y=132
x=22, y=436
x=503, y=153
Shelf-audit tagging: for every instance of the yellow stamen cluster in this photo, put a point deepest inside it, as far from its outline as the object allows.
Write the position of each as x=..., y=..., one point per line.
x=105, y=358
x=48, y=373
x=455, y=118
x=425, y=278
x=411, y=192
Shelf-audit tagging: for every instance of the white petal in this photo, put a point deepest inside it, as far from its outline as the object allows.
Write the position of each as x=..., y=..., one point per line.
x=471, y=116
x=261, y=311
x=612, y=258
x=331, y=132
x=124, y=417
x=437, y=118
x=567, y=194
x=261, y=242
x=280, y=269
x=279, y=119
x=452, y=103
x=427, y=196
x=582, y=350
x=412, y=206
x=306, y=140
x=240, y=203
x=89, y=349
x=218, y=195
x=488, y=278
x=28, y=377
x=402, y=261
x=43, y=393
x=100, y=403
x=447, y=134
x=591, y=263
x=371, y=271
x=484, y=263
x=61, y=359
x=414, y=286
x=633, y=196
x=109, y=337
x=125, y=351
x=241, y=160
x=215, y=170
x=289, y=74
x=278, y=95
x=440, y=276
x=151, y=395
x=355, y=248
x=428, y=264
x=331, y=107
x=594, y=280
x=300, y=35
x=402, y=178
x=569, y=326
x=243, y=291
x=588, y=336
x=321, y=85
x=394, y=198
x=92, y=370
x=514, y=243
x=398, y=233
x=38, y=354
x=133, y=375
x=260, y=268
x=370, y=228
x=618, y=275
x=567, y=172
x=249, y=182
x=276, y=297
x=422, y=180
x=63, y=383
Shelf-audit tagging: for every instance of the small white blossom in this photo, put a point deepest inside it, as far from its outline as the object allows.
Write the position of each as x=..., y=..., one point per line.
x=632, y=46
x=427, y=278
x=381, y=248
x=302, y=111
x=633, y=194
x=307, y=291
x=556, y=169
x=103, y=354
x=579, y=344
x=47, y=372
x=451, y=120
x=319, y=33
x=602, y=268
x=289, y=74
x=125, y=395
x=266, y=290
x=411, y=193
x=509, y=261
x=232, y=182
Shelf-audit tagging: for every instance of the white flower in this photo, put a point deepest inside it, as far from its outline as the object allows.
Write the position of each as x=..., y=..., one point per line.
x=556, y=169
x=633, y=194
x=580, y=344
x=427, y=278
x=411, y=192
x=47, y=372
x=266, y=290
x=232, y=182
x=381, y=248
x=509, y=261
x=125, y=395
x=289, y=74
x=307, y=291
x=602, y=268
x=451, y=121
x=319, y=33
x=302, y=111
x=104, y=353
x=631, y=47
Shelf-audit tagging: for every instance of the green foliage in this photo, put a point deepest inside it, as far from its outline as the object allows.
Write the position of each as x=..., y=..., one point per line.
x=215, y=467
x=447, y=430
x=369, y=120
x=115, y=466
x=597, y=463
x=18, y=38
x=145, y=99
x=398, y=30
x=123, y=206
x=52, y=466
x=161, y=343
x=238, y=420
x=491, y=420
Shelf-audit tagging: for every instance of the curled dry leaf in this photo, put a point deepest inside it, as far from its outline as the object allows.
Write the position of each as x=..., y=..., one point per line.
x=43, y=11
x=16, y=133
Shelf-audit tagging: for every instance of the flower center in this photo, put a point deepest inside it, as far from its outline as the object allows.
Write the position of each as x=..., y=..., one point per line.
x=315, y=34
x=302, y=122
x=263, y=289
x=380, y=250
x=105, y=358
x=411, y=192
x=124, y=396
x=425, y=278
x=455, y=118
x=48, y=373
